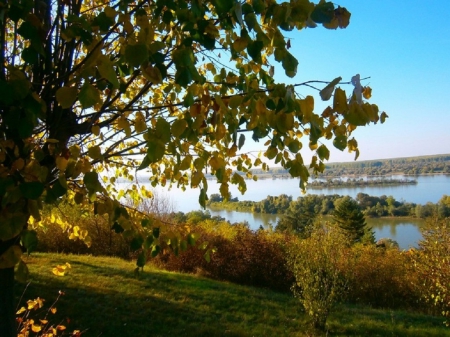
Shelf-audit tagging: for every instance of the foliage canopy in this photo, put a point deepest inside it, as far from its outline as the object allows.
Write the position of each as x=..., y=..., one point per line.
x=91, y=91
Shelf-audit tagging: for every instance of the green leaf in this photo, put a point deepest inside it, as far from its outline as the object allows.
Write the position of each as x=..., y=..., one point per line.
x=156, y=232
x=117, y=228
x=295, y=146
x=202, y=198
x=103, y=21
x=340, y=142
x=290, y=64
x=222, y=6
x=56, y=191
x=155, y=151
x=29, y=240
x=192, y=238
x=11, y=226
x=6, y=93
x=323, y=152
x=250, y=21
x=32, y=190
x=162, y=130
x=28, y=31
x=207, y=256
x=326, y=92
x=136, y=54
x=155, y=250
x=10, y=257
x=22, y=274
x=141, y=259
x=107, y=71
x=178, y=127
x=136, y=243
x=145, y=163
x=30, y=55
x=146, y=222
x=323, y=12
x=183, y=245
x=66, y=96
x=89, y=95
x=254, y=49
x=183, y=76
x=241, y=141
x=91, y=182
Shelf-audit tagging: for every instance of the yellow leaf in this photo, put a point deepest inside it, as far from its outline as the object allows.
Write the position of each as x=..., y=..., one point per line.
x=139, y=122
x=32, y=305
x=61, y=163
x=307, y=107
x=75, y=151
x=128, y=27
x=95, y=130
x=60, y=327
x=340, y=101
x=122, y=123
x=240, y=44
x=196, y=179
x=61, y=269
x=18, y=164
x=178, y=127
x=235, y=101
x=53, y=310
x=110, y=12
x=21, y=310
x=36, y=328
x=66, y=96
x=367, y=92
x=153, y=74
x=221, y=130
x=94, y=152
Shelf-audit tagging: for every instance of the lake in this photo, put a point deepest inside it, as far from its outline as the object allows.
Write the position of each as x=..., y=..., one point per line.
x=429, y=188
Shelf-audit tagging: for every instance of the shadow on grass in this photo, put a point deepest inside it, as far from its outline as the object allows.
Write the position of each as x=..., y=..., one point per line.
x=111, y=301
x=104, y=296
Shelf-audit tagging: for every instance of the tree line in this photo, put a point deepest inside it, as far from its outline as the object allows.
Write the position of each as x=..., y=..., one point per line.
x=317, y=205
x=435, y=164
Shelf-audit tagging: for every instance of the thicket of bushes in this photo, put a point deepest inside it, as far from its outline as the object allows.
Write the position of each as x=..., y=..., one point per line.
x=245, y=257
x=54, y=237
x=380, y=277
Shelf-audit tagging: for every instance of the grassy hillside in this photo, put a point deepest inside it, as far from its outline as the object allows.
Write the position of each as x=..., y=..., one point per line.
x=105, y=298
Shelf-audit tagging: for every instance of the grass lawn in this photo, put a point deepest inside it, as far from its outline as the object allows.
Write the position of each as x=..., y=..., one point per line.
x=104, y=297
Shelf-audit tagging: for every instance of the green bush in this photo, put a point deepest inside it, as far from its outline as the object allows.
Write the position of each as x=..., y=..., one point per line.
x=319, y=281
x=432, y=263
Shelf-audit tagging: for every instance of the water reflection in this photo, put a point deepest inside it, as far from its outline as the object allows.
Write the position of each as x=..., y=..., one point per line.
x=405, y=231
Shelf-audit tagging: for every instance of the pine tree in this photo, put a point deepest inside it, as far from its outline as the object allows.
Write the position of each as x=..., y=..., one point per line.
x=350, y=219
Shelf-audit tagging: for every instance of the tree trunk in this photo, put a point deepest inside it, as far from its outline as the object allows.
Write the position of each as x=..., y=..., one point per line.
x=7, y=309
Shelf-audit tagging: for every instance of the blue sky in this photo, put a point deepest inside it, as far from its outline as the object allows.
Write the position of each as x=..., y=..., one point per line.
x=405, y=48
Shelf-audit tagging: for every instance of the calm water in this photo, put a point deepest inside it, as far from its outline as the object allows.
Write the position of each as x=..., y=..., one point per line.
x=428, y=189
x=405, y=232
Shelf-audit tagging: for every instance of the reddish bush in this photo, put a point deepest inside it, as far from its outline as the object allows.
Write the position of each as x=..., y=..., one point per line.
x=249, y=257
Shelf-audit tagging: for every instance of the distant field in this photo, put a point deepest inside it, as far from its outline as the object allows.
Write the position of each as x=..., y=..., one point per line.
x=105, y=298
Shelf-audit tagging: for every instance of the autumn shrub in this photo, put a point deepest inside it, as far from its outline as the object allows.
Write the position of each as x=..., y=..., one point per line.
x=79, y=233
x=242, y=256
x=315, y=262
x=432, y=264
x=380, y=277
